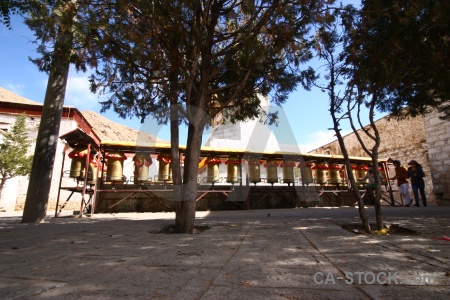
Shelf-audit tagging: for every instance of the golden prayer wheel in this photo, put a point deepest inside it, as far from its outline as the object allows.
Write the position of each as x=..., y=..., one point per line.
x=142, y=163
x=114, y=170
x=334, y=172
x=307, y=177
x=321, y=172
x=164, y=171
x=361, y=170
x=254, y=170
x=92, y=170
x=288, y=171
x=354, y=171
x=272, y=171
x=78, y=156
x=232, y=163
x=342, y=173
x=141, y=172
x=212, y=173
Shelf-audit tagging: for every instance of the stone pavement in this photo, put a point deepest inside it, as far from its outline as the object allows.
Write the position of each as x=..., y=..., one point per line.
x=260, y=254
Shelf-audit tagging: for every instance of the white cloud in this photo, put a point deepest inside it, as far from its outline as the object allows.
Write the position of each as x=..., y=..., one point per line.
x=79, y=95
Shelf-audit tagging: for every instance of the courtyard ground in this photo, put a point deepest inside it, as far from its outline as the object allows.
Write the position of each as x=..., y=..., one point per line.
x=259, y=254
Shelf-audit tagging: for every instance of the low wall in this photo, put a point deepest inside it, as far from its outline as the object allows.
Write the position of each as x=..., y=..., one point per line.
x=224, y=198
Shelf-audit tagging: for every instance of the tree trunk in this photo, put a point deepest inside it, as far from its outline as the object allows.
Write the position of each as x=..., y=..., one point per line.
x=47, y=140
x=2, y=185
x=354, y=187
x=378, y=212
x=185, y=212
x=176, y=167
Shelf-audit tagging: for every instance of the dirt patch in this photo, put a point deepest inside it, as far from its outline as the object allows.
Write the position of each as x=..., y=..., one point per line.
x=388, y=229
x=171, y=229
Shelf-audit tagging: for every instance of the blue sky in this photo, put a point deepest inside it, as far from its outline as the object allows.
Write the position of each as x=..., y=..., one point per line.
x=306, y=112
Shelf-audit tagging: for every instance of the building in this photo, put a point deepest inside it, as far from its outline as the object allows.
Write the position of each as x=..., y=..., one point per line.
x=425, y=139
x=14, y=195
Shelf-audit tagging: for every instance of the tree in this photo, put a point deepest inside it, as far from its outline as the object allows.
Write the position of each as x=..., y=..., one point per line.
x=14, y=160
x=403, y=48
x=373, y=140
x=195, y=59
x=329, y=41
x=363, y=93
x=12, y=7
x=397, y=53
x=54, y=25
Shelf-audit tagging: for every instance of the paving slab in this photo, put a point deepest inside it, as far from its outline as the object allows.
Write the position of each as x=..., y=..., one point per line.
x=255, y=254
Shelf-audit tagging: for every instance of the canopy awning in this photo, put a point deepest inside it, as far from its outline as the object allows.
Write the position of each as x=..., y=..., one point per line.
x=79, y=138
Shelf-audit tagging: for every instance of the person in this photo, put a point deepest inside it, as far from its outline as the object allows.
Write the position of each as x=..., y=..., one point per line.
x=401, y=175
x=416, y=174
x=370, y=188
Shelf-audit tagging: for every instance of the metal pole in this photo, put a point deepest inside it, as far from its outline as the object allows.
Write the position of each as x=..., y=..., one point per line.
x=60, y=180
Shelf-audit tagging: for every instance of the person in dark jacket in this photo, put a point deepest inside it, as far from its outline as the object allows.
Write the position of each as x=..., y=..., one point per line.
x=416, y=175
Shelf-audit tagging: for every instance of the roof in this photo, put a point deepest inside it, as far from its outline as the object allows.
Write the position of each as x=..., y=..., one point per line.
x=88, y=121
x=8, y=96
x=11, y=103
x=108, y=130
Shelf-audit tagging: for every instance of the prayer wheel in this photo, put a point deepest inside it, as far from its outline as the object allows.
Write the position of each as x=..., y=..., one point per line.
x=164, y=171
x=288, y=171
x=343, y=173
x=321, y=172
x=334, y=172
x=232, y=163
x=354, y=172
x=78, y=156
x=212, y=173
x=254, y=170
x=92, y=170
x=307, y=177
x=142, y=163
x=272, y=171
x=115, y=166
x=361, y=170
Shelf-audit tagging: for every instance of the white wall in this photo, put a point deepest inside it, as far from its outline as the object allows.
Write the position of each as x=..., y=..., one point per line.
x=14, y=197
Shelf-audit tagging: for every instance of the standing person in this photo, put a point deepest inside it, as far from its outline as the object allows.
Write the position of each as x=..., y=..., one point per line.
x=415, y=172
x=401, y=174
x=370, y=188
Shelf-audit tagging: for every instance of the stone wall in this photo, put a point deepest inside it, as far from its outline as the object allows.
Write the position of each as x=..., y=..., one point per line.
x=425, y=139
x=437, y=134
